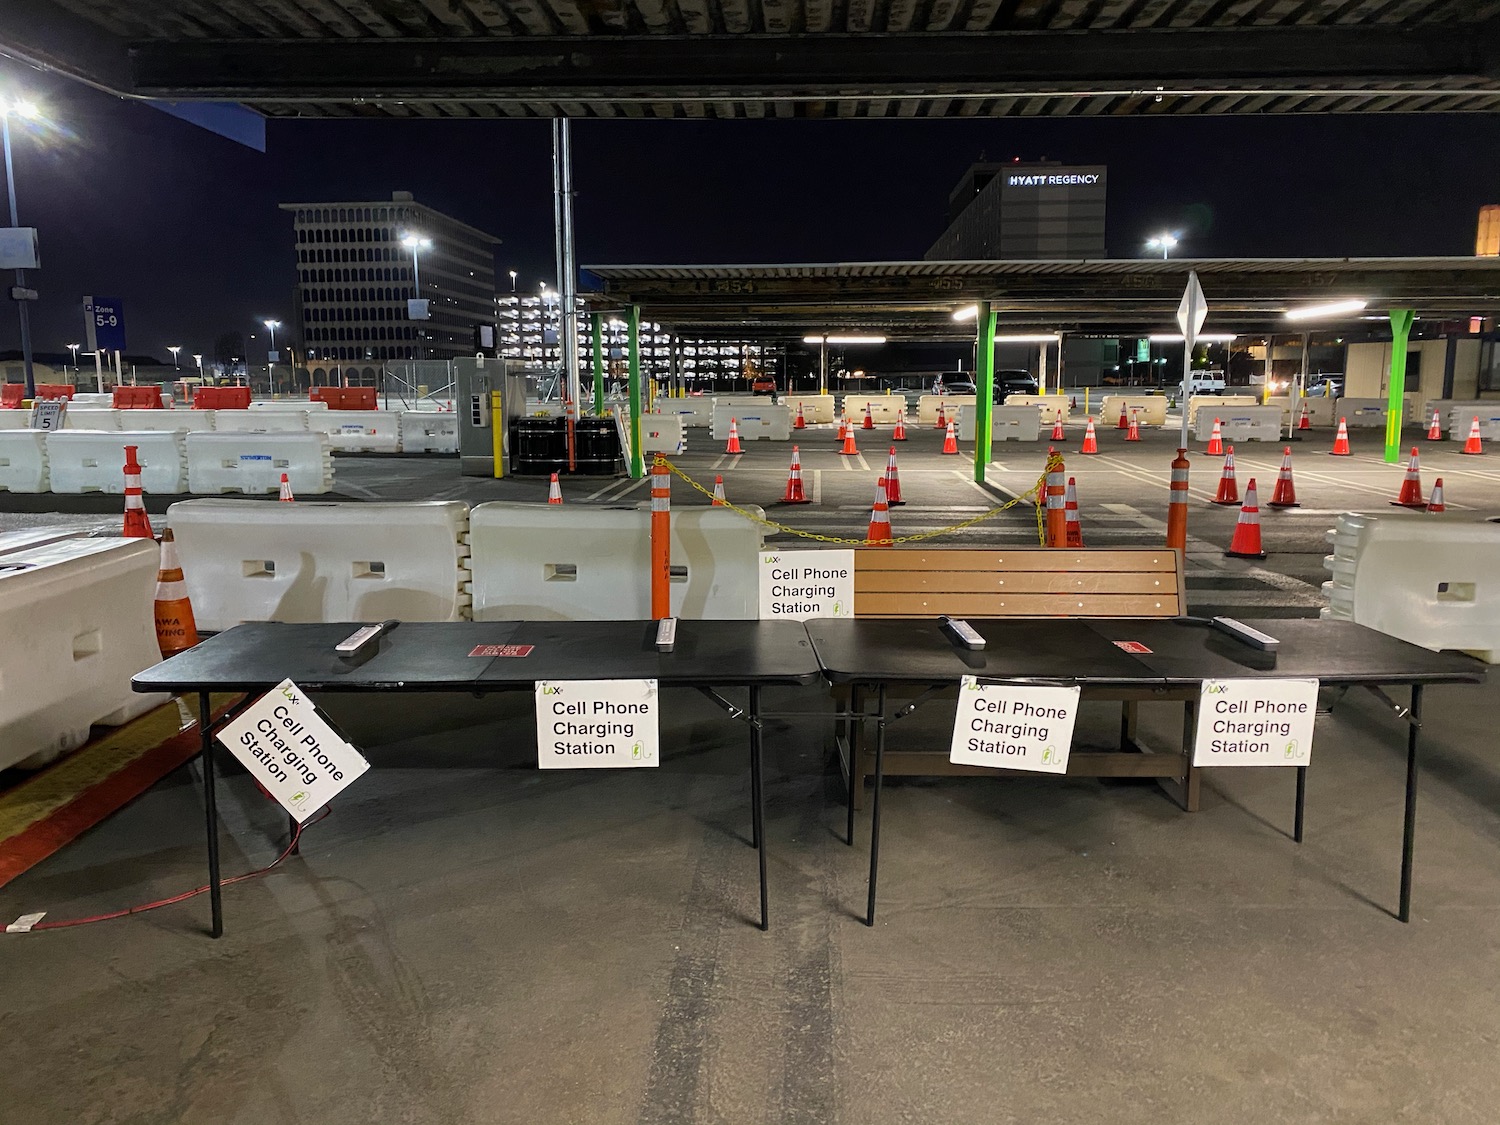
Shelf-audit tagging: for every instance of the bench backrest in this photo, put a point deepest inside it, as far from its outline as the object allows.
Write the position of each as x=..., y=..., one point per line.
x=1035, y=582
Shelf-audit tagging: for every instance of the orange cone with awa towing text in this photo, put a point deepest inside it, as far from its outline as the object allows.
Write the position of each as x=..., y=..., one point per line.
x=1340, y=441
x=899, y=433
x=1410, y=495
x=942, y=419
x=1473, y=444
x=892, y=481
x=1090, y=439
x=734, y=437
x=1057, y=428
x=1124, y=422
x=869, y=422
x=950, y=440
x=286, y=490
x=1177, y=500
x=849, y=449
x=1284, y=495
x=1246, y=541
x=176, y=631
x=1436, y=503
x=794, y=492
x=1216, y=441
x=1134, y=433
x=1435, y=428
x=879, y=534
x=1304, y=422
x=801, y=421
x=1229, y=489
x=554, y=491
x=718, y=491
x=137, y=523
x=1074, y=534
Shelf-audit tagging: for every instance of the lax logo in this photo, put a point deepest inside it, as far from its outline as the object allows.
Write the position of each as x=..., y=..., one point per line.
x=1215, y=688
x=771, y=560
x=552, y=689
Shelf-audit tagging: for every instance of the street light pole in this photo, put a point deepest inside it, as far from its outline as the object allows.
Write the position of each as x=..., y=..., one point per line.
x=10, y=185
x=174, y=349
x=74, y=349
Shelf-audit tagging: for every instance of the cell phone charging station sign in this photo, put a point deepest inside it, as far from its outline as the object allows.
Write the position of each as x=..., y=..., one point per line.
x=597, y=724
x=798, y=585
x=287, y=747
x=1014, y=726
x=1255, y=723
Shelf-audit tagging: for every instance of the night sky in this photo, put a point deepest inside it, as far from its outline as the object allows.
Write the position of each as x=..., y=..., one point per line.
x=184, y=227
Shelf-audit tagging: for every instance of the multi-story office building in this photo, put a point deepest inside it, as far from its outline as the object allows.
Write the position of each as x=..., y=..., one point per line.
x=354, y=279
x=1028, y=211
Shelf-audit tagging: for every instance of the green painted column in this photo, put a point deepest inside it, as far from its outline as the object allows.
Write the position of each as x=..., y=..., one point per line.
x=984, y=390
x=637, y=459
x=597, y=323
x=1395, y=409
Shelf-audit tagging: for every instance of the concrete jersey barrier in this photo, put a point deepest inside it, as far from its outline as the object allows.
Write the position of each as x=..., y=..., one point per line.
x=91, y=461
x=252, y=463
x=1242, y=423
x=23, y=461
x=1151, y=410
x=927, y=407
x=1007, y=423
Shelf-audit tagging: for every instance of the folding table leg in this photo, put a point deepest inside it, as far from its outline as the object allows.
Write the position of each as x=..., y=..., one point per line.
x=1409, y=829
x=211, y=811
x=757, y=799
x=1301, y=802
x=854, y=782
x=875, y=801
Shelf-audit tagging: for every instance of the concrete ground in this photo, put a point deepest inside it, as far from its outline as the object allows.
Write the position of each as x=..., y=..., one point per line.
x=467, y=940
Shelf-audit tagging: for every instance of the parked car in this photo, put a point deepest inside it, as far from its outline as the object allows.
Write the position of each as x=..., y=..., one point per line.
x=1014, y=381
x=763, y=385
x=1330, y=385
x=1206, y=383
x=943, y=387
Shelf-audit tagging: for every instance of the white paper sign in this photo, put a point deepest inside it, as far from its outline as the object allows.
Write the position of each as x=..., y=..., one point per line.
x=596, y=724
x=1014, y=726
x=797, y=585
x=48, y=413
x=289, y=749
x=1255, y=723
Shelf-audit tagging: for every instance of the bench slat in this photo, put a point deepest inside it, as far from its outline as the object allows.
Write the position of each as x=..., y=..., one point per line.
x=1037, y=559
x=1015, y=605
x=1013, y=582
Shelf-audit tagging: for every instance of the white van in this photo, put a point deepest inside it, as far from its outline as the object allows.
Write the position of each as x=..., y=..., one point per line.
x=1206, y=383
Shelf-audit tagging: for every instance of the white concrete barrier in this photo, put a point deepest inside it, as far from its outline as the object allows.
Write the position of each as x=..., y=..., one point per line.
x=92, y=398
x=758, y=419
x=1151, y=410
x=169, y=421
x=1242, y=423
x=695, y=410
x=1216, y=404
x=252, y=463
x=30, y=537
x=94, y=461
x=1007, y=423
x=358, y=431
x=927, y=407
x=1360, y=411
x=78, y=624
x=815, y=408
x=23, y=461
x=884, y=409
x=428, y=431
x=1052, y=406
x=15, y=419
x=93, y=418
x=260, y=421
x=1319, y=409
x=1461, y=421
x=311, y=404
x=663, y=433
x=250, y=560
x=573, y=562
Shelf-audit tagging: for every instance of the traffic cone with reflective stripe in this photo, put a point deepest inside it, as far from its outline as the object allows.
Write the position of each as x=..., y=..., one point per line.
x=1436, y=503
x=849, y=449
x=1057, y=428
x=1304, y=422
x=1435, y=429
x=176, y=631
x=942, y=419
x=899, y=433
x=869, y=422
x=718, y=491
x=1229, y=489
x=1124, y=422
x=554, y=491
x=1246, y=541
x=137, y=523
x=1284, y=495
x=879, y=534
x=843, y=428
x=892, y=482
x=1090, y=439
x=1410, y=495
x=1074, y=536
x=1340, y=441
x=1473, y=445
x=1177, y=503
x=1056, y=500
x=801, y=422
x=950, y=440
x=734, y=437
x=286, y=490
x=1216, y=441
x=1134, y=433
x=794, y=493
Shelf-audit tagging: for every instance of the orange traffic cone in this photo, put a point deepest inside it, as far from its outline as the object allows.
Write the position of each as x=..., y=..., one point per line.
x=1134, y=433
x=176, y=631
x=286, y=490
x=942, y=419
x=1070, y=506
x=1410, y=495
x=950, y=440
x=1090, y=439
x=1436, y=503
x=1473, y=445
x=794, y=493
x=1057, y=429
x=1124, y=422
x=734, y=437
x=1284, y=495
x=879, y=534
x=718, y=491
x=869, y=422
x=892, y=482
x=554, y=491
x=1340, y=441
x=801, y=422
x=1216, y=441
x=1246, y=541
x=843, y=425
x=899, y=433
x=1229, y=489
x=137, y=523
x=1435, y=430
x=1304, y=422
x=849, y=450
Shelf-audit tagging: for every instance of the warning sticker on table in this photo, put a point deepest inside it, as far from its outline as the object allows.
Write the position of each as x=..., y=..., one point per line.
x=502, y=650
x=1133, y=647
x=596, y=724
x=1255, y=723
x=1014, y=726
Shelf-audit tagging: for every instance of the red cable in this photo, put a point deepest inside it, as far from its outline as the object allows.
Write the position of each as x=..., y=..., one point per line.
x=64, y=923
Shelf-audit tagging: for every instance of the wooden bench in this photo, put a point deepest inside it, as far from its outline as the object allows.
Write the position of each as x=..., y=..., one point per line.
x=1035, y=583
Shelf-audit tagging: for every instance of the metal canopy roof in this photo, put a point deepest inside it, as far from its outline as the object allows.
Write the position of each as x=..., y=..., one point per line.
x=917, y=299
x=776, y=58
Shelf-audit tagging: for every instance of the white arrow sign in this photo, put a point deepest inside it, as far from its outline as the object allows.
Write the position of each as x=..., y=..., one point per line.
x=1193, y=310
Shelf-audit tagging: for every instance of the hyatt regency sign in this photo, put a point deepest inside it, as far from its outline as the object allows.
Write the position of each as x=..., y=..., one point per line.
x=1069, y=179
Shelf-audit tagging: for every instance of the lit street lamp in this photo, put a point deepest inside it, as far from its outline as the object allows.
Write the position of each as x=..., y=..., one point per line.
x=1163, y=242
x=174, y=349
x=416, y=243
x=74, y=349
x=512, y=281
x=272, y=325
x=26, y=111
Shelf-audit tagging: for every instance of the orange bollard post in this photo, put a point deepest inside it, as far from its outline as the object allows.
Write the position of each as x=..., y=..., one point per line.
x=1057, y=501
x=1177, y=508
x=661, y=541
x=137, y=523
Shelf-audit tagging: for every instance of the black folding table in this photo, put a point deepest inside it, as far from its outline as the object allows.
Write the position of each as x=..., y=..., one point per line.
x=877, y=654
x=434, y=657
